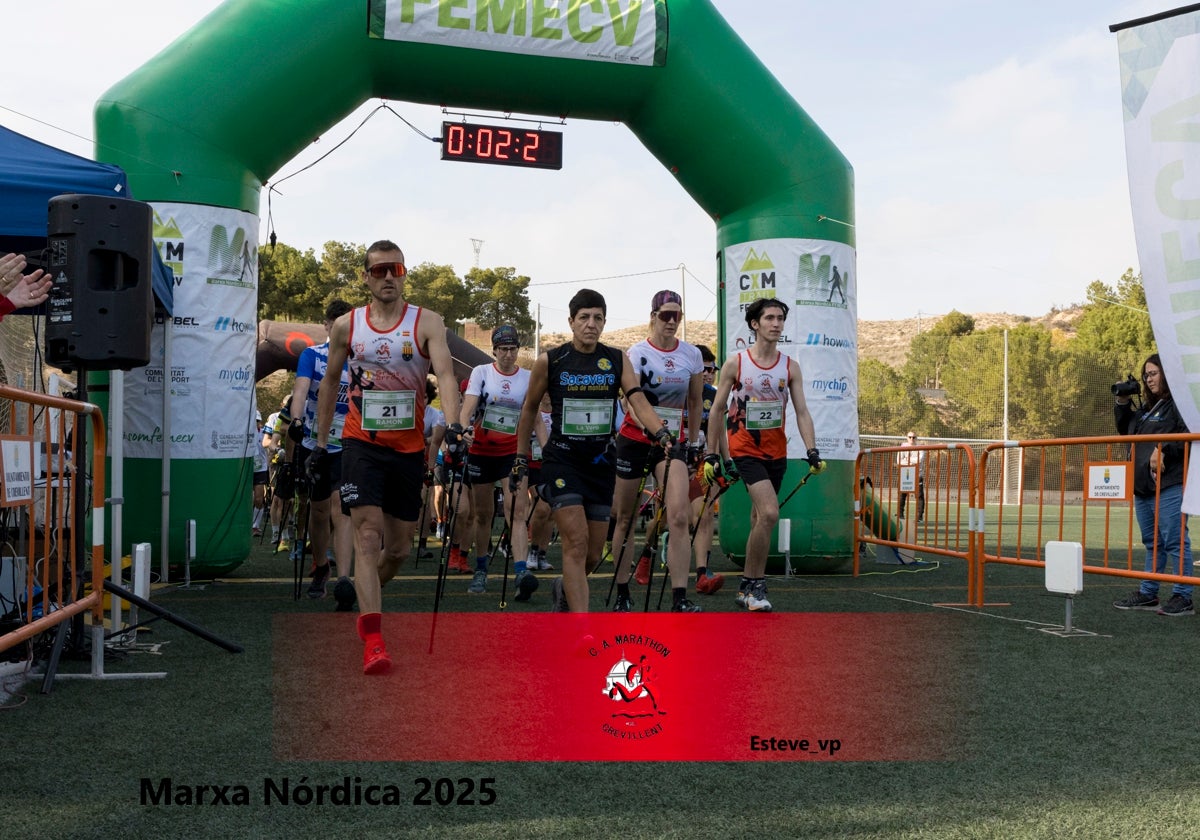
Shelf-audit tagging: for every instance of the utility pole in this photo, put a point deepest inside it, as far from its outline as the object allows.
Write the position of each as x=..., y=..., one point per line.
x=683, y=300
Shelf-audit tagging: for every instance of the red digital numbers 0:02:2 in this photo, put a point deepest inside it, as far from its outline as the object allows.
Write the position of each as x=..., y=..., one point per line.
x=496, y=144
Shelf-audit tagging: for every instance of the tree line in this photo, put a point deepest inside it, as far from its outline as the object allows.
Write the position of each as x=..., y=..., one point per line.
x=295, y=285
x=952, y=383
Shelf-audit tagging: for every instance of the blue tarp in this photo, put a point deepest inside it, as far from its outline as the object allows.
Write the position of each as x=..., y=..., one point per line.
x=31, y=173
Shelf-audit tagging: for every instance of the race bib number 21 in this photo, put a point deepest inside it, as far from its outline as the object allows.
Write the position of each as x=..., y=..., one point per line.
x=389, y=411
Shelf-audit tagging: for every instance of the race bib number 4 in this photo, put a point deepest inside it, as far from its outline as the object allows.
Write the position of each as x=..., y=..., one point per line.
x=764, y=414
x=501, y=419
x=335, y=431
x=389, y=411
x=586, y=418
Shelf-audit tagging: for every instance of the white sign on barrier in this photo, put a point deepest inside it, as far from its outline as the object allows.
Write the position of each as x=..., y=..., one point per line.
x=1108, y=481
x=16, y=461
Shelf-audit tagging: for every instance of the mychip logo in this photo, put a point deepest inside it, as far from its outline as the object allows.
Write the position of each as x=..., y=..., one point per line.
x=831, y=389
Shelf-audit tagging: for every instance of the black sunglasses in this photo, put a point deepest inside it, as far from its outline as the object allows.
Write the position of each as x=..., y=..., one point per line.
x=668, y=315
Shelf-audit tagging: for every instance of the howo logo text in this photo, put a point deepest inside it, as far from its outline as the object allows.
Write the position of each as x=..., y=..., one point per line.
x=232, y=325
x=823, y=340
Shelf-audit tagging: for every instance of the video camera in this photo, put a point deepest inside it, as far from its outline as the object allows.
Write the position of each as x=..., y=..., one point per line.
x=1127, y=388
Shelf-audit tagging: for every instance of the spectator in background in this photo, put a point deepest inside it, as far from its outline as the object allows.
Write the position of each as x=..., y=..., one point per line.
x=328, y=526
x=913, y=458
x=261, y=475
x=283, y=482
x=435, y=432
x=702, y=497
x=1158, y=492
x=20, y=290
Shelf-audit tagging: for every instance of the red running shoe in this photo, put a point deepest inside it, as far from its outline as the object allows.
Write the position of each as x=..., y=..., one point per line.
x=375, y=658
x=709, y=584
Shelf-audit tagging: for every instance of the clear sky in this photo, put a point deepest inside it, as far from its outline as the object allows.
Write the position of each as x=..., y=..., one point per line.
x=985, y=136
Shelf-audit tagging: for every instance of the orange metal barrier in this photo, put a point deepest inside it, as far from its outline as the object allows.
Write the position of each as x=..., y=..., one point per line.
x=51, y=542
x=946, y=478
x=1058, y=507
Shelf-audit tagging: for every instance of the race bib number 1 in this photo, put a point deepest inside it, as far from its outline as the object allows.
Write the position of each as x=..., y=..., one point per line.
x=586, y=418
x=389, y=411
x=764, y=414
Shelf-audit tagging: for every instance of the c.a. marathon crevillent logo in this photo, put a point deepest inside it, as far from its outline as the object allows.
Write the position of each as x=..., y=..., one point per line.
x=636, y=709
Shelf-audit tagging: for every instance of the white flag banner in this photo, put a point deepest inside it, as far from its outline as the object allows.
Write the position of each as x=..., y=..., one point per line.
x=1160, y=91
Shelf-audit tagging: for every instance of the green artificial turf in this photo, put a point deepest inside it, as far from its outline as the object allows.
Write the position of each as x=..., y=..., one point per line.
x=1088, y=736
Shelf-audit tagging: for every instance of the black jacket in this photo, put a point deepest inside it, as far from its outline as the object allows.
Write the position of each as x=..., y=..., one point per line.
x=1162, y=418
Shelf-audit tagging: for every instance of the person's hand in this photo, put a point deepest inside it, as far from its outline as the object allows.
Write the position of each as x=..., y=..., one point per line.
x=296, y=431
x=454, y=438
x=429, y=478
x=23, y=290
x=664, y=438
x=710, y=470
x=1155, y=461
x=813, y=456
x=519, y=468
x=11, y=266
x=316, y=466
x=730, y=471
x=695, y=454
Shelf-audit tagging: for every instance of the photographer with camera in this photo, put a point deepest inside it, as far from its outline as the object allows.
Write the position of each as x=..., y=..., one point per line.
x=1157, y=488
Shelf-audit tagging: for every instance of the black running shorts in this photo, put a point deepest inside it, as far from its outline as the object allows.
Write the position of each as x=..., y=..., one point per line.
x=753, y=470
x=376, y=476
x=566, y=485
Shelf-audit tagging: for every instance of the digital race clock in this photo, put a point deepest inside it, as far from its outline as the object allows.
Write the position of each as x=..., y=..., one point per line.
x=503, y=145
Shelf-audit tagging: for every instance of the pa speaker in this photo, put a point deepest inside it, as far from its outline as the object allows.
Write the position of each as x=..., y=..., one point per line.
x=99, y=255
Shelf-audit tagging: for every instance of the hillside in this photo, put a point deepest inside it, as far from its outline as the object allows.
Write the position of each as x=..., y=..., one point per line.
x=887, y=341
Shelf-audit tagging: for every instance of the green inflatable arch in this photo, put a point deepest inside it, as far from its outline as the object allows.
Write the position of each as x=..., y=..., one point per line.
x=216, y=114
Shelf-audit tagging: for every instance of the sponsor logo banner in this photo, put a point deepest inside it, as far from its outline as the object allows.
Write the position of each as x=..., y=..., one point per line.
x=817, y=280
x=631, y=32
x=210, y=387
x=654, y=687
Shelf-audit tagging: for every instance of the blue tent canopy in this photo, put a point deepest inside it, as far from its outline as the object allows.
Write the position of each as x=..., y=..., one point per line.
x=32, y=173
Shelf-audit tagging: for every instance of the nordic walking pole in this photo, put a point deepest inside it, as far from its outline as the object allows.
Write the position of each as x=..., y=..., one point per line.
x=444, y=562
x=299, y=547
x=506, y=546
x=703, y=510
x=633, y=514
x=425, y=494
x=654, y=540
x=457, y=476
x=811, y=472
